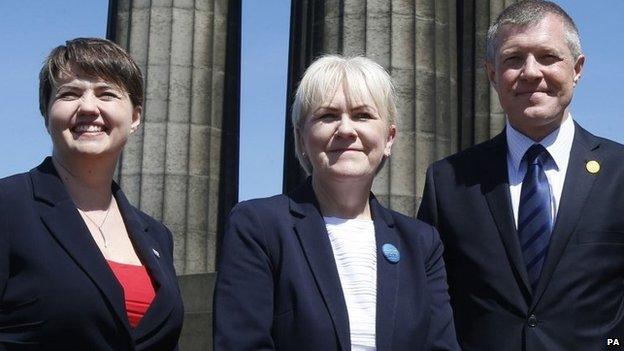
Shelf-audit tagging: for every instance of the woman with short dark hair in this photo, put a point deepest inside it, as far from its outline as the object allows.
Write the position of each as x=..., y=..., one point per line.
x=80, y=267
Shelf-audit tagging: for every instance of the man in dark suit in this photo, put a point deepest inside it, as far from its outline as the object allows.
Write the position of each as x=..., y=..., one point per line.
x=531, y=219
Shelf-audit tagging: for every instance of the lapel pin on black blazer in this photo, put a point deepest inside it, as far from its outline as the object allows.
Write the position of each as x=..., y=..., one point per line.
x=391, y=253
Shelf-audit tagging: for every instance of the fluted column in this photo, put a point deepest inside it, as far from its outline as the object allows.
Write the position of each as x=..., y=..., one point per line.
x=434, y=51
x=174, y=167
x=481, y=114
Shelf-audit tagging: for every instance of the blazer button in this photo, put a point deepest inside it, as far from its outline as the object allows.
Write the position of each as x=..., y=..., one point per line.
x=532, y=321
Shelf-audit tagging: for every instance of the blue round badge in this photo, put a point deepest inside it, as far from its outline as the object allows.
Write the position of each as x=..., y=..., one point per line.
x=391, y=253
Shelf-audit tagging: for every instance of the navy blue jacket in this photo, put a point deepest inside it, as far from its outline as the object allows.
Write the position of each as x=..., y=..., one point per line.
x=578, y=303
x=56, y=289
x=278, y=286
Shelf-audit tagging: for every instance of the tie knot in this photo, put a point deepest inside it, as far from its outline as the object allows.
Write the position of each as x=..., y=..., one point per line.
x=536, y=153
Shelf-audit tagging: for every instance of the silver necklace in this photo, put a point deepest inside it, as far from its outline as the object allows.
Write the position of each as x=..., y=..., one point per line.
x=99, y=227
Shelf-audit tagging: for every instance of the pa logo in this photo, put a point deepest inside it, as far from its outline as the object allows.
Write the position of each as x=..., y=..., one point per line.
x=613, y=342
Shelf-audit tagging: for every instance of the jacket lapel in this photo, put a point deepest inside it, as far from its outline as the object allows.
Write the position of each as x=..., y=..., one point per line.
x=495, y=186
x=149, y=252
x=576, y=188
x=387, y=276
x=312, y=234
x=67, y=226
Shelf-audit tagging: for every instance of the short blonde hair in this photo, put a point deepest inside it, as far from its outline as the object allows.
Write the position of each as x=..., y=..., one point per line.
x=359, y=76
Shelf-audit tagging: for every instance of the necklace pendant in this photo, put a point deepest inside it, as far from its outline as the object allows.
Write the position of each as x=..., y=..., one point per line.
x=103, y=238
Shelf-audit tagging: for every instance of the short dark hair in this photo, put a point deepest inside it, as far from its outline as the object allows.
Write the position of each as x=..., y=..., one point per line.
x=529, y=12
x=94, y=57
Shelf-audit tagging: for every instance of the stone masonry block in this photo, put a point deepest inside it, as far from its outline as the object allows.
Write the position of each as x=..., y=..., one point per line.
x=177, y=143
x=175, y=193
x=152, y=195
x=180, y=94
x=154, y=148
x=160, y=36
x=199, y=151
x=181, y=37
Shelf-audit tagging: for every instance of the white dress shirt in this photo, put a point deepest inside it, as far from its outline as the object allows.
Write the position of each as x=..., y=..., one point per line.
x=355, y=252
x=558, y=144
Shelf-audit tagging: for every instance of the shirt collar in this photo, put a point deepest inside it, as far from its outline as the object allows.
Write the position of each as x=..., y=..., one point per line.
x=558, y=143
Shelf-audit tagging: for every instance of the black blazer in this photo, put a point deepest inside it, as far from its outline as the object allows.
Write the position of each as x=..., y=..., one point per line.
x=278, y=286
x=579, y=301
x=56, y=289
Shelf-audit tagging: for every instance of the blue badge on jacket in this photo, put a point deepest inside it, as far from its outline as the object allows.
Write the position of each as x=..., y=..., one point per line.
x=391, y=253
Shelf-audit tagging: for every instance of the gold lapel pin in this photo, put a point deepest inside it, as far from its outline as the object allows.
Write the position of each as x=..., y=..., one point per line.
x=592, y=166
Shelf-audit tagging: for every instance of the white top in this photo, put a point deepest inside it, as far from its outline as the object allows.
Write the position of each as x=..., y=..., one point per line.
x=558, y=144
x=355, y=252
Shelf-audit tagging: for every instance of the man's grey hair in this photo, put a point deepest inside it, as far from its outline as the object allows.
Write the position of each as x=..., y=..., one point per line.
x=529, y=12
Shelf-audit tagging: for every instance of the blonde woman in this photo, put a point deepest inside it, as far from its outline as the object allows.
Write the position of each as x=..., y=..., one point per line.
x=328, y=267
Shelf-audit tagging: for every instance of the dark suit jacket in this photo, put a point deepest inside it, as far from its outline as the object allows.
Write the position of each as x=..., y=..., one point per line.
x=579, y=300
x=56, y=289
x=278, y=285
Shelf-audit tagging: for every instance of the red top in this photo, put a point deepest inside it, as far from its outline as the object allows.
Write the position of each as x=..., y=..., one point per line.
x=138, y=289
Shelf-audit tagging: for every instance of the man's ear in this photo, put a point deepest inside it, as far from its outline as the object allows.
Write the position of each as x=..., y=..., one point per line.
x=491, y=73
x=578, y=68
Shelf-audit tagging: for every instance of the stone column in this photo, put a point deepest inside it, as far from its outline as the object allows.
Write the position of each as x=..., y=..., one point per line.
x=434, y=52
x=481, y=114
x=172, y=167
x=182, y=165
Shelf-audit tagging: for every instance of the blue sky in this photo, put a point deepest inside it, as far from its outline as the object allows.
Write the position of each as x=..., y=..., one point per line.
x=30, y=29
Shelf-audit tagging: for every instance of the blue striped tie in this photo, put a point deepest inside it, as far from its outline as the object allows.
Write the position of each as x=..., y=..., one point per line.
x=534, y=217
